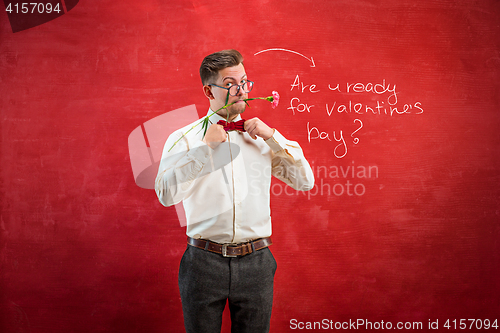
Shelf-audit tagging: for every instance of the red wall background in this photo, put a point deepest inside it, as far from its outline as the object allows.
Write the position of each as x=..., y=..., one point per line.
x=84, y=249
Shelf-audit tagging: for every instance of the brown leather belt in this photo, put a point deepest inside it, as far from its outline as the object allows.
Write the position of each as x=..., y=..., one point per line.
x=230, y=250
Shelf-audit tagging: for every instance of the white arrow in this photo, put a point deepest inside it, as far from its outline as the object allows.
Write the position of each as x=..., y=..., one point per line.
x=300, y=54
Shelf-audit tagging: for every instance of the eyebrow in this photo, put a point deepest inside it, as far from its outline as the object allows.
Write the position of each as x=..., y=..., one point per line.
x=232, y=78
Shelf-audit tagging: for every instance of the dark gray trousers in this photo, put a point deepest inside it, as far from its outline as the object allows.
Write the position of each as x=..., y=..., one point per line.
x=207, y=280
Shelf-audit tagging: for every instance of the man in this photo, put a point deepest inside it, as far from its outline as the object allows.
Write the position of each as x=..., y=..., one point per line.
x=223, y=179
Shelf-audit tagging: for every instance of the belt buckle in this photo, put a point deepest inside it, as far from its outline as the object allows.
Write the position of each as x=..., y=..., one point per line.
x=224, y=252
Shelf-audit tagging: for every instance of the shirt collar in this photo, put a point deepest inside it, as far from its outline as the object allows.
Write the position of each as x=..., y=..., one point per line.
x=215, y=118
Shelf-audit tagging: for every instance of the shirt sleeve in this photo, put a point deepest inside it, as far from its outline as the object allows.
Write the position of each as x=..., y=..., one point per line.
x=289, y=164
x=179, y=168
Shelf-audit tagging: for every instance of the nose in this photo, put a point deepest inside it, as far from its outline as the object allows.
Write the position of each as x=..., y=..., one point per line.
x=241, y=91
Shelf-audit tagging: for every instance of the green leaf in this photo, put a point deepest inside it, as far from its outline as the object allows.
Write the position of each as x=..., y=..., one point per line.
x=204, y=127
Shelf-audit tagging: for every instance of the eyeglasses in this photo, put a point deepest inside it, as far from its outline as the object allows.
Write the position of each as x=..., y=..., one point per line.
x=235, y=88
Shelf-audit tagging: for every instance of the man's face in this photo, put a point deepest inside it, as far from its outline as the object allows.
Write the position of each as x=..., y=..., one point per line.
x=229, y=76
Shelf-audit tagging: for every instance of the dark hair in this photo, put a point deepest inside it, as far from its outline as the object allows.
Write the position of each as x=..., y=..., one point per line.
x=213, y=63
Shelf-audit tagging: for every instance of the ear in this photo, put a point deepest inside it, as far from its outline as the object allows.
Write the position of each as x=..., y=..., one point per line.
x=208, y=92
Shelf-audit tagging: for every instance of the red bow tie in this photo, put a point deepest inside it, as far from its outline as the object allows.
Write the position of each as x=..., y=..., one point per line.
x=235, y=125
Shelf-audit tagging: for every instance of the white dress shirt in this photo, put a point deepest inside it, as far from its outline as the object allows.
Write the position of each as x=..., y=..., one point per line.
x=226, y=191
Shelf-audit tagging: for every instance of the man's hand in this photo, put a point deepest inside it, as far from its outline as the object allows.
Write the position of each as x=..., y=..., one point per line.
x=256, y=127
x=215, y=136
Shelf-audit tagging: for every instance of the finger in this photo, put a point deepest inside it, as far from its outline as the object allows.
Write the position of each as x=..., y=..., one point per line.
x=250, y=123
x=252, y=134
x=249, y=130
x=247, y=125
x=221, y=131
